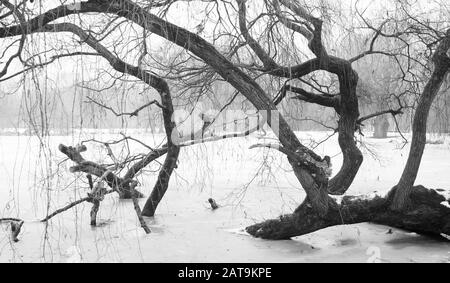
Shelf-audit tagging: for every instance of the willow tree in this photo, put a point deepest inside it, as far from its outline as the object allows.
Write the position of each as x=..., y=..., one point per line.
x=319, y=209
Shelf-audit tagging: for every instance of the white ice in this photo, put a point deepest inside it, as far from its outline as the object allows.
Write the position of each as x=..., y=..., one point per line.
x=185, y=229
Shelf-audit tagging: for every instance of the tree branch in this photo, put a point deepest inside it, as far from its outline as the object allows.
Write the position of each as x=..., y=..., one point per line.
x=265, y=58
x=324, y=100
x=131, y=114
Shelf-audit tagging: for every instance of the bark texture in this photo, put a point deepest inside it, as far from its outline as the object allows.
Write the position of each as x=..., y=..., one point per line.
x=428, y=216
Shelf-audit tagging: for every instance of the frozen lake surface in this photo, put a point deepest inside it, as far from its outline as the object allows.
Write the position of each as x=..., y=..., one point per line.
x=250, y=186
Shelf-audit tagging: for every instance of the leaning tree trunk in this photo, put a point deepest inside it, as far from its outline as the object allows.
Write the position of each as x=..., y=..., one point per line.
x=170, y=163
x=429, y=216
x=419, y=128
x=162, y=183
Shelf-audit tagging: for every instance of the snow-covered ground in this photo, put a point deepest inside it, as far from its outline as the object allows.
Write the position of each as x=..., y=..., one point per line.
x=250, y=185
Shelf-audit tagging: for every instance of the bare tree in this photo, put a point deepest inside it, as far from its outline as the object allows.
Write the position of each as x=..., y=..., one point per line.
x=319, y=209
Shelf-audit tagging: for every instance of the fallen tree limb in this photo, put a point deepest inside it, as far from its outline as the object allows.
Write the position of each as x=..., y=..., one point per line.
x=94, y=211
x=137, y=208
x=427, y=216
x=69, y=206
x=122, y=186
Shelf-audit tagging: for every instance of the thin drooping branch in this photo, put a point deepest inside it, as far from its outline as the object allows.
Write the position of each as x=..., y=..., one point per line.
x=167, y=108
x=15, y=10
x=406, y=207
x=305, y=31
x=267, y=61
x=131, y=114
x=154, y=154
x=204, y=50
x=346, y=105
x=149, y=158
x=171, y=32
x=242, y=82
x=318, y=210
x=321, y=167
x=371, y=49
x=315, y=42
x=50, y=61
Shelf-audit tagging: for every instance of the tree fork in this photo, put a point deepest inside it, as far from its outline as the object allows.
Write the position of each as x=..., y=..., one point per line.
x=92, y=168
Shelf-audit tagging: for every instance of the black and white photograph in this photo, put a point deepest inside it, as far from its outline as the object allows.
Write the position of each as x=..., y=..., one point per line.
x=224, y=136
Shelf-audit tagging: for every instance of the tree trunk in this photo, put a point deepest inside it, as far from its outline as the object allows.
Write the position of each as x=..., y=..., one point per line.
x=162, y=183
x=94, y=211
x=349, y=114
x=381, y=127
x=419, y=128
x=428, y=216
x=170, y=162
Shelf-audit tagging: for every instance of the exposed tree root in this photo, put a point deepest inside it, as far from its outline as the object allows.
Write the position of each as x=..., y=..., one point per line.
x=426, y=216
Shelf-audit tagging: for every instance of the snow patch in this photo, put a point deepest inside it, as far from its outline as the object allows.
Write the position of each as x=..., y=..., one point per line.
x=239, y=231
x=375, y=194
x=444, y=193
x=337, y=199
x=445, y=236
x=445, y=203
x=367, y=196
